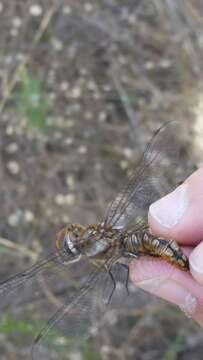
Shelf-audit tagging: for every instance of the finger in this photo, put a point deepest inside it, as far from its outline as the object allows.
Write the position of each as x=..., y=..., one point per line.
x=178, y=215
x=169, y=283
x=196, y=263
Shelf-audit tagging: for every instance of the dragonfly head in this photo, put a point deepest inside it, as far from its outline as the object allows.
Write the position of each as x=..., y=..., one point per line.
x=68, y=238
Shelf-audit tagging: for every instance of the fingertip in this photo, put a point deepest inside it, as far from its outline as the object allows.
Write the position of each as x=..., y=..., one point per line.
x=178, y=215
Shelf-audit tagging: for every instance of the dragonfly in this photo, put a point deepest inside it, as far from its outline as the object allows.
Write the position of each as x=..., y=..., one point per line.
x=123, y=235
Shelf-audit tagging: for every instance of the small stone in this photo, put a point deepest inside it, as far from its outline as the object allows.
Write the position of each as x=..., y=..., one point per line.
x=128, y=153
x=17, y=22
x=83, y=71
x=88, y=7
x=82, y=150
x=102, y=116
x=1, y=7
x=88, y=115
x=13, y=167
x=64, y=86
x=28, y=216
x=76, y=92
x=65, y=219
x=124, y=164
x=70, y=199
x=149, y=65
x=165, y=63
x=59, y=199
x=70, y=181
x=132, y=19
x=35, y=10
x=107, y=87
x=91, y=85
x=67, y=10
x=57, y=44
x=9, y=130
x=14, y=32
x=12, y=148
x=14, y=219
x=69, y=141
x=20, y=57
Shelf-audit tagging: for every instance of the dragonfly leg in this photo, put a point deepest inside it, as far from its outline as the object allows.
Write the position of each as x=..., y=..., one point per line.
x=114, y=286
x=131, y=255
x=126, y=267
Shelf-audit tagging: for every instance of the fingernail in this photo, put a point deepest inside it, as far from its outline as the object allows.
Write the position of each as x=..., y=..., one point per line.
x=196, y=263
x=169, y=210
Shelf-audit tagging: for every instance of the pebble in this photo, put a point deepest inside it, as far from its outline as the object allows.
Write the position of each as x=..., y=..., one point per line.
x=165, y=63
x=67, y=10
x=19, y=215
x=17, y=22
x=70, y=181
x=76, y=92
x=13, y=167
x=102, y=116
x=14, y=219
x=68, y=199
x=14, y=32
x=69, y=141
x=35, y=10
x=88, y=115
x=59, y=199
x=65, y=219
x=12, y=148
x=57, y=44
x=149, y=65
x=28, y=216
x=64, y=86
x=128, y=153
x=9, y=130
x=124, y=164
x=82, y=150
x=88, y=7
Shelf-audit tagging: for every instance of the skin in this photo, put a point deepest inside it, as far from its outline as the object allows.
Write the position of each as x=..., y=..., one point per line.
x=177, y=216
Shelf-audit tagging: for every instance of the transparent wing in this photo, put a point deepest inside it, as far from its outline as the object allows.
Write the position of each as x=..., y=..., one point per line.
x=25, y=286
x=14, y=282
x=148, y=182
x=77, y=319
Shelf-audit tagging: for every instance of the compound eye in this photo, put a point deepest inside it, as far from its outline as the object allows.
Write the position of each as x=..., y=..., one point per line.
x=60, y=239
x=75, y=234
x=69, y=244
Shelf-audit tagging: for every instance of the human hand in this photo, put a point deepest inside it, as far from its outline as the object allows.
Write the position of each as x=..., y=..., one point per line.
x=177, y=216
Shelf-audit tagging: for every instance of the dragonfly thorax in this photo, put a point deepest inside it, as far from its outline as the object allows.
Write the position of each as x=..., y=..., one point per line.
x=94, y=241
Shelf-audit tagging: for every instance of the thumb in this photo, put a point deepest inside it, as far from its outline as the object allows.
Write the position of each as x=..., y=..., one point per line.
x=178, y=215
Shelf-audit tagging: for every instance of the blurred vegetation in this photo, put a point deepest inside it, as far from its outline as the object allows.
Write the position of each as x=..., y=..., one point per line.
x=32, y=101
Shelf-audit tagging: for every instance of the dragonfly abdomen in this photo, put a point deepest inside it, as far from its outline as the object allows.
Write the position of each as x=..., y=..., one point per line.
x=144, y=243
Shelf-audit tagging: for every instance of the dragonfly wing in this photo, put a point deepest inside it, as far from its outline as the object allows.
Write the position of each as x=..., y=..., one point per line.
x=77, y=319
x=148, y=182
x=24, y=286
